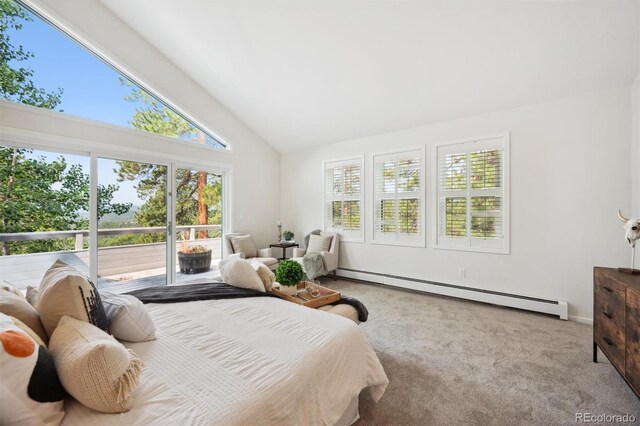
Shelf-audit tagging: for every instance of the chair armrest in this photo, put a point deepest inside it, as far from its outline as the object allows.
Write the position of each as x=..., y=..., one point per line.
x=330, y=260
x=265, y=252
x=299, y=252
x=236, y=255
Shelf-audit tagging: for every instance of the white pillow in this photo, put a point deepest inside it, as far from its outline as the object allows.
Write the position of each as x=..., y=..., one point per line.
x=239, y=273
x=128, y=317
x=318, y=243
x=30, y=390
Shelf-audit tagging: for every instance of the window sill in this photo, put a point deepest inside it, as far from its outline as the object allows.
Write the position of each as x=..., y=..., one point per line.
x=503, y=251
x=419, y=244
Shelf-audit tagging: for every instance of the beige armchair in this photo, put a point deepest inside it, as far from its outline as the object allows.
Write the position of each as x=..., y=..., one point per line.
x=330, y=257
x=241, y=244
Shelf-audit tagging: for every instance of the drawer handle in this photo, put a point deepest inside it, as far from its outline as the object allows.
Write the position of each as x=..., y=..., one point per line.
x=607, y=314
x=608, y=289
x=609, y=342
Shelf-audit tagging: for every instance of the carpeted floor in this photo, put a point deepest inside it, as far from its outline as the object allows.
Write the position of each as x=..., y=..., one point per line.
x=453, y=362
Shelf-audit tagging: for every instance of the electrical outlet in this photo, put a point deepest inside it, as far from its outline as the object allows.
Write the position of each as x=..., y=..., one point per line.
x=462, y=272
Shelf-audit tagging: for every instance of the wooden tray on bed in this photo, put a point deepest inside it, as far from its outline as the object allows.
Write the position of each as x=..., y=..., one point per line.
x=327, y=296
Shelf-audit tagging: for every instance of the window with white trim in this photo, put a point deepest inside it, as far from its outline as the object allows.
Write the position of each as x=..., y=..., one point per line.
x=343, y=195
x=398, y=182
x=472, y=195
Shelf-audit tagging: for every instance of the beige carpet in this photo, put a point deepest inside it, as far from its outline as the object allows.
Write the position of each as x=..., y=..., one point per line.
x=456, y=362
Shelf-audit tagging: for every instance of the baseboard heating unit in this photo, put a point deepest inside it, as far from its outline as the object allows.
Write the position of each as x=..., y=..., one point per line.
x=552, y=307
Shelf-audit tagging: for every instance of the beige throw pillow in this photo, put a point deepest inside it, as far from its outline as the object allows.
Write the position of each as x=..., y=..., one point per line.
x=67, y=291
x=18, y=307
x=244, y=244
x=94, y=367
x=266, y=275
x=319, y=243
x=239, y=273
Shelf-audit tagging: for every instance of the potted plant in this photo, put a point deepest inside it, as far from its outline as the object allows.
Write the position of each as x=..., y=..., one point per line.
x=289, y=273
x=288, y=236
x=194, y=259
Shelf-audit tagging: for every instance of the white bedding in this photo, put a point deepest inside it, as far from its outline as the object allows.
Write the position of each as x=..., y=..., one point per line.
x=246, y=361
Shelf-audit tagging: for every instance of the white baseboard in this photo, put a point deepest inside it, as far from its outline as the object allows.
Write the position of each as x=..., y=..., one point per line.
x=552, y=307
x=581, y=320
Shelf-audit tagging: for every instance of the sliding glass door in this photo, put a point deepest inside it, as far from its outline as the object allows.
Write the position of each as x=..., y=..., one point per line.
x=127, y=224
x=198, y=223
x=166, y=226
x=132, y=232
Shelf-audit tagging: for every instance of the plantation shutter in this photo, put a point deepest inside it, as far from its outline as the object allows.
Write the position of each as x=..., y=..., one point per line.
x=399, y=198
x=471, y=194
x=343, y=198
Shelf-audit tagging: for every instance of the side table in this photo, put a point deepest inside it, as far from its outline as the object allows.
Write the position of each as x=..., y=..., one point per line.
x=284, y=247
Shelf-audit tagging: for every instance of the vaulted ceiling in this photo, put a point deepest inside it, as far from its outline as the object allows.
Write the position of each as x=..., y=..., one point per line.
x=307, y=72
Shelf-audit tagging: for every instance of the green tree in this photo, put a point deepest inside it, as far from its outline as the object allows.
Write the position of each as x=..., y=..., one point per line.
x=37, y=195
x=198, y=194
x=16, y=82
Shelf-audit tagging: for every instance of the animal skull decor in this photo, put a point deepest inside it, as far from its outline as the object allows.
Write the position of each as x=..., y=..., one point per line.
x=631, y=229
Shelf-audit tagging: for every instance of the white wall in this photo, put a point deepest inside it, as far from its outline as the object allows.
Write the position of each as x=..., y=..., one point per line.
x=635, y=148
x=255, y=163
x=635, y=142
x=569, y=175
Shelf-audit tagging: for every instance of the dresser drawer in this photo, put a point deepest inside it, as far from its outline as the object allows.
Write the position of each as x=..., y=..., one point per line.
x=633, y=339
x=609, y=308
x=609, y=291
x=609, y=319
x=609, y=316
x=614, y=347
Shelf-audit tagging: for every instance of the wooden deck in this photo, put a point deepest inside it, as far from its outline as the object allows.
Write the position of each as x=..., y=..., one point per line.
x=159, y=280
x=124, y=267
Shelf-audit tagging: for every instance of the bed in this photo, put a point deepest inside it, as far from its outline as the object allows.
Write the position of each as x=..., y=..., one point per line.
x=247, y=361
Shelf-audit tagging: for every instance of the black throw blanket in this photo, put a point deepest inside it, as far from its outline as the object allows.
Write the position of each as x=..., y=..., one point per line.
x=193, y=292
x=216, y=290
x=363, y=313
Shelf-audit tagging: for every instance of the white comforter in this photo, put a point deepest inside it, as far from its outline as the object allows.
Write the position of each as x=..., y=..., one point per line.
x=246, y=361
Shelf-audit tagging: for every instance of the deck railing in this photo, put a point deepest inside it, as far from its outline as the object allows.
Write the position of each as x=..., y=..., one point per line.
x=114, y=261
x=80, y=234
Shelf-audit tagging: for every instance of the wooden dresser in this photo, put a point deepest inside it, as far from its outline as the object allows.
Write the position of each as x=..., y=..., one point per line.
x=616, y=322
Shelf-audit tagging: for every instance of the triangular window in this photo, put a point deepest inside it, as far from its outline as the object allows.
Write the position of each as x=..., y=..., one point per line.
x=44, y=67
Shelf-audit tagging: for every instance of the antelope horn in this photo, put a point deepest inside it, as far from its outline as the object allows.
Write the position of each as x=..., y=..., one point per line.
x=621, y=217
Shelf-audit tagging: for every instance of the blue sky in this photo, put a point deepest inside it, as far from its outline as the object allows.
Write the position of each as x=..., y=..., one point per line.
x=92, y=89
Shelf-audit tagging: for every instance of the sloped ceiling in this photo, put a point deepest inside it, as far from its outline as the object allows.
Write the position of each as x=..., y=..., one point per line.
x=302, y=73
